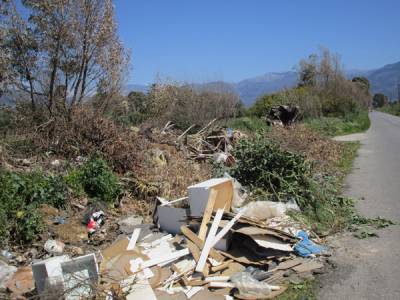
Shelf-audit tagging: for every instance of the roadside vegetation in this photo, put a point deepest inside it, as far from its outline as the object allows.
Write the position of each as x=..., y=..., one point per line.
x=73, y=137
x=335, y=126
x=392, y=108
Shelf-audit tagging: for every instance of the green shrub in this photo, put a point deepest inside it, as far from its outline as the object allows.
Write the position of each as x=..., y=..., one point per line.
x=262, y=164
x=334, y=126
x=391, y=108
x=263, y=105
x=95, y=179
x=280, y=175
x=20, y=198
x=251, y=124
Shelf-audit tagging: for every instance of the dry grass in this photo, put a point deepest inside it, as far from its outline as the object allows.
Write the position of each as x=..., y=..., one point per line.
x=324, y=152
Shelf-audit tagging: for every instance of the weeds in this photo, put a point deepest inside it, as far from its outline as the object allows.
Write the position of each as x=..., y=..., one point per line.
x=391, y=108
x=300, y=291
x=20, y=198
x=95, y=179
x=248, y=124
x=280, y=175
x=334, y=126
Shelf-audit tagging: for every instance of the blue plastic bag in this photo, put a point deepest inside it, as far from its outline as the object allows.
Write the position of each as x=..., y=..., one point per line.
x=305, y=247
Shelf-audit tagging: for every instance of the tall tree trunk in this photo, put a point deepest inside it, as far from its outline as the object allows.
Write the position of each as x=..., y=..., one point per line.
x=53, y=75
x=29, y=78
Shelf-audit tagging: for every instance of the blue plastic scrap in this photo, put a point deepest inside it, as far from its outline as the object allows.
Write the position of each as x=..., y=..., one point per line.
x=305, y=247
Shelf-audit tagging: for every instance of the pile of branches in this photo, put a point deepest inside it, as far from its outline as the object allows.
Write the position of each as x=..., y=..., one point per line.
x=84, y=133
x=203, y=144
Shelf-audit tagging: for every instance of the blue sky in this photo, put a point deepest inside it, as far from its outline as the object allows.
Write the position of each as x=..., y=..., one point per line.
x=206, y=40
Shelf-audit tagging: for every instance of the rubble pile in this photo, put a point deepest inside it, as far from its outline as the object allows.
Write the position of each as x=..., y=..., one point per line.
x=210, y=244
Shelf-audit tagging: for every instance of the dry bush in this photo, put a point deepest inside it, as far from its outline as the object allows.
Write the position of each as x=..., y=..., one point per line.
x=84, y=133
x=184, y=106
x=323, y=151
x=175, y=174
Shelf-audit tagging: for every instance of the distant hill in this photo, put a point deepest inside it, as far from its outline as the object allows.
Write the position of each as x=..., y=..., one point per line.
x=385, y=80
x=250, y=89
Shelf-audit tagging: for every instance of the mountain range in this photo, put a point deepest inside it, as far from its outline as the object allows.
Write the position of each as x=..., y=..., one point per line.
x=383, y=80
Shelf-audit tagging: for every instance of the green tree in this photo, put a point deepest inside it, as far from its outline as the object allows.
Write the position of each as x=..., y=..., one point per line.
x=308, y=71
x=363, y=83
x=137, y=101
x=379, y=100
x=64, y=51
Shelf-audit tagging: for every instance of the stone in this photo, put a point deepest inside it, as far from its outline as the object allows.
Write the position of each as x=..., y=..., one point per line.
x=128, y=224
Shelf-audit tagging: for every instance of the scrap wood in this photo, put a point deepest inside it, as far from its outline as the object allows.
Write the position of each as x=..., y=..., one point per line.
x=226, y=228
x=308, y=266
x=168, y=257
x=207, y=213
x=194, y=250
x=277, y=277
x=184, y=133
x=192, y=291
x=255, y=230
x=205, y=127
x=199, y=243
x=222, y=266
x=288, y=264
x=209, y=240
x=165, y=202
x=141, y=290
x=133, y=239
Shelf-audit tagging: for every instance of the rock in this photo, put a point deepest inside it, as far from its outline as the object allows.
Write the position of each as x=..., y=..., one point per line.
x=128, y=224
x=54, y=247
x=21, y=282
x=6, y=273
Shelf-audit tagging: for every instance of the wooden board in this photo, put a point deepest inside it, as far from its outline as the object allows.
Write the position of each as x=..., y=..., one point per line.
x=208, y=244
x=308, y=266
x=199, y=243
x=207, y=213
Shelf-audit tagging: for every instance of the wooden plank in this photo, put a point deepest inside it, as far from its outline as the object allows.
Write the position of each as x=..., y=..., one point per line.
x=194, y=250
x=133, y=240
x=288, y=264
x=199, y=243
x=222, y=266
x=226, y=228
x=209, y=241
x=308, y=266
x=207, y=214
x=169, y=257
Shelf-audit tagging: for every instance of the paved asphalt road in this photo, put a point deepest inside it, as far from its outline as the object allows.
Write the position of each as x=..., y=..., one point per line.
x=370, y=268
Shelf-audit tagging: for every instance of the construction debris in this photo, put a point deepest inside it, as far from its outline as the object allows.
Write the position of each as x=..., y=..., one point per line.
x=202, y=247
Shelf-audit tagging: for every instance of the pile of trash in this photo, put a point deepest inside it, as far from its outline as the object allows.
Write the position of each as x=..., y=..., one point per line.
x=210, y=142
x=207, y=245
x=283, y=115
